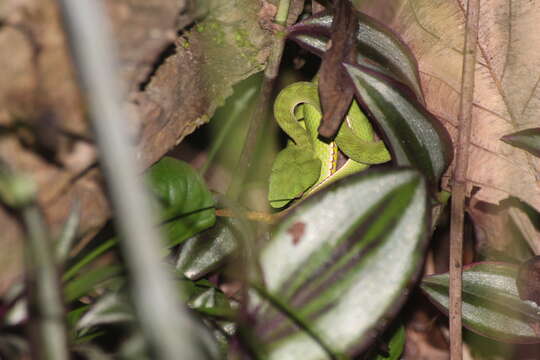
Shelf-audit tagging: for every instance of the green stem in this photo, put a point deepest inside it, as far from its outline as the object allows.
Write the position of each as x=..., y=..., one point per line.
x=216, y=144
x=283, y=11
x=260, y=112
x=101, y=249
x=234, y=116
x=45, y=303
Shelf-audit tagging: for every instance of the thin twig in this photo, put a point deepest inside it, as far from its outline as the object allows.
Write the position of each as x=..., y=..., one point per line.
x=260, y=112
x=257, y=216
x=460, y=178
x=164, y=322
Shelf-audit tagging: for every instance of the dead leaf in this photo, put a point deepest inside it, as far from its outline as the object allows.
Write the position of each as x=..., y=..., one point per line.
x=335, y=87
x=507, y=95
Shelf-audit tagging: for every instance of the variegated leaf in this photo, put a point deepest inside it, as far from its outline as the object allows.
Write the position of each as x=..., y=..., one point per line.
x=528, y=140
x=376, y=43
x=415, y=136
x=491, y=304
x=339, y=266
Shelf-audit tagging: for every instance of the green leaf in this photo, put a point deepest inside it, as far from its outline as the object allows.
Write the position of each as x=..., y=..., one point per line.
x=74, y=315
x=111, y=308
x=212, y=302
x=340, y=265
x=528, y=140
x=294, y=170
x=187, y=206
x=66, y=240
x=415, y=137
x=94, y=249
x=88, y=337
x=375, y=41
x=86, y=282
x=396, y=345
x=230, y=123
x=208, y=250
x=491, y=304
x=205, y=298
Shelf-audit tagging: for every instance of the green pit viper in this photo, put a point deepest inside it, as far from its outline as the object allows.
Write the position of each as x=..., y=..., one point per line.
x=308, y=163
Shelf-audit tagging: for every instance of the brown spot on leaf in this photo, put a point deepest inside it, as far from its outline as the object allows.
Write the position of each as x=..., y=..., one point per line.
x=297, y=231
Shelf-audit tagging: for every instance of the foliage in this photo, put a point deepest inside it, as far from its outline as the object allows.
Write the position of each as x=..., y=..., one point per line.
x=325, y=277
x=396, y=344
x=528, y=140
x=491, y=303
x=331, y=269
x=186, y=205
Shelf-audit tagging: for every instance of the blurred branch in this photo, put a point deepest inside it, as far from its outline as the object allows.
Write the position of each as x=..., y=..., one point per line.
x=45, y=306
x=459, y=186
x=164, y=321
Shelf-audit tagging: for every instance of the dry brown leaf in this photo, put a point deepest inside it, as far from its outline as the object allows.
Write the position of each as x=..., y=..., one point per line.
x=335, y=88
x=506, y=99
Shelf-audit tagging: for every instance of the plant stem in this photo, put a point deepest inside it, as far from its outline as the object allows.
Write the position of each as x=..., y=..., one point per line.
x=164, y=322
x=234, y=116
x=459, y=187
x=46, y=307
x=69, y=234
x=260, y=112
x=250, y=215
x=283, y=11
x=216, y=144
